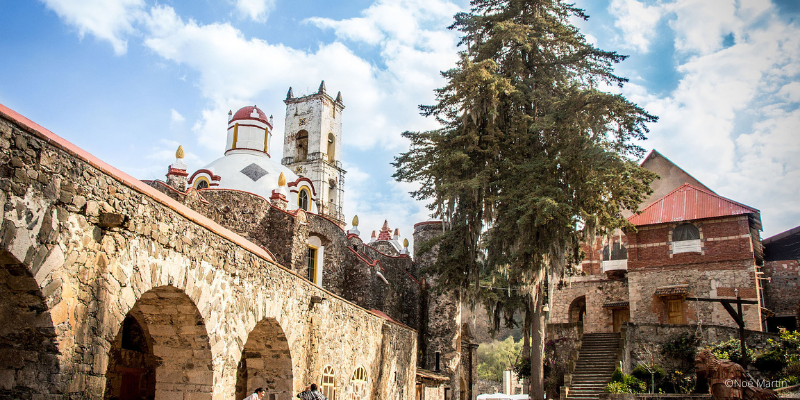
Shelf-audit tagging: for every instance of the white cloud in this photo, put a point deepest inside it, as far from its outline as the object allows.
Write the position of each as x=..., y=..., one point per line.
x=637, y=22
x=733, y=118
x=380, y=102
x=257, y=10
x=176, y=117
x=110, y=20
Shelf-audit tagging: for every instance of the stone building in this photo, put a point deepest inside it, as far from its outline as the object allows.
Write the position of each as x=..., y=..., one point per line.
x=633, y=291
x=782, y=280
x=212, y=283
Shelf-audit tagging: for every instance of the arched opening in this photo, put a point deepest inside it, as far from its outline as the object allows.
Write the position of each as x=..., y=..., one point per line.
x=131, y=364
x=28, y=341
x=331, y=147
x=328, y=387
x=201, y=184
x=359, y=388
x=302, y=146
x=685, y=232
x=577, y=309
x=161, y=350
x=303, y=199
x=266, y=362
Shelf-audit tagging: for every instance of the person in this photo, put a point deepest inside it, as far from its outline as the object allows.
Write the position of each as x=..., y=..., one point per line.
x=257, y=394
x=311, y=393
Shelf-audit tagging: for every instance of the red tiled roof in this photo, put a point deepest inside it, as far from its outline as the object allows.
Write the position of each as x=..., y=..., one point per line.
x=689, y=203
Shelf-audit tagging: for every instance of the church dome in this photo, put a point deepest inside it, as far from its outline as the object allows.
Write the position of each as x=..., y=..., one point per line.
x=250, y=113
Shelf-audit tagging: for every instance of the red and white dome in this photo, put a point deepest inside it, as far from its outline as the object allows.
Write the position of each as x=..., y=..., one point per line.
x=250, y=113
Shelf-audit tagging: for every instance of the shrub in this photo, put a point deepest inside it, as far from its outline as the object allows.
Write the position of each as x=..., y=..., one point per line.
x=731, y=350
x=618, y=376
x=643, y=373
x=617, y=387
x=682, y=348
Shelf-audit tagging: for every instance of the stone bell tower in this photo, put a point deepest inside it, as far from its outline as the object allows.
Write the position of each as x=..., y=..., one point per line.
x=312, y=147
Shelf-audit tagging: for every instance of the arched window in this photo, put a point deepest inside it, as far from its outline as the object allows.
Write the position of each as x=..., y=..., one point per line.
x=303, y=199
x=685, y=232
x=331, y=147
x=201, y=184
x=328, y=383
x=302, y=145
x=358, y=384
x=686, y=239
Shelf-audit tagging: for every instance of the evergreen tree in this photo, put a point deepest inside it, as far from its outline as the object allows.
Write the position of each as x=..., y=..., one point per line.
x=532, y=156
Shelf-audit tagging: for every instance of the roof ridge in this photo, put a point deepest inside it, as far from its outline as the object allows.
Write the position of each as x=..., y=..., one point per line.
x=683, y=188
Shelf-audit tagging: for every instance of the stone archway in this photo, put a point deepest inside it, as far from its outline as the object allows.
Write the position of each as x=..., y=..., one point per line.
x=162, y=350
x=29, y=362
x=266, y=362
x=577, y=309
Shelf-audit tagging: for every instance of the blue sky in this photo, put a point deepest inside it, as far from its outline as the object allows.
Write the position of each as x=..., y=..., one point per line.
x=129, y=80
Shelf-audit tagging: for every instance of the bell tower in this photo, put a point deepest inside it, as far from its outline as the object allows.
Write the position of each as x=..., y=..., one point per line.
x=312, y=147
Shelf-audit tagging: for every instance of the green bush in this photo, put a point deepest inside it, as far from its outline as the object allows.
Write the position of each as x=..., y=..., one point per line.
x=617, y=387
x=618, y=376
x=731, y=350
x=621, y=381
x=643, y=373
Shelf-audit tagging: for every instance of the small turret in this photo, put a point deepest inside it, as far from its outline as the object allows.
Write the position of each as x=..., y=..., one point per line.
x=230, y=115
x=339, y=98
x=354, y=229
x=176, y=174
x=405, y=247
x=321, y=88
x=289, y=94
x=279, y=197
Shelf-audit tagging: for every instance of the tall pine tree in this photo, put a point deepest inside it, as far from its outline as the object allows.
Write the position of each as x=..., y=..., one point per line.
x=532, y=156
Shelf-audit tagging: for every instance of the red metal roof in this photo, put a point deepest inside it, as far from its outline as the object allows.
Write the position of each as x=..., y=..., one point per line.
x=688, y=203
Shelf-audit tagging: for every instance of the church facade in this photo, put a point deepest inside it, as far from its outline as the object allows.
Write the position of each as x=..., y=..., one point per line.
x=218, y=280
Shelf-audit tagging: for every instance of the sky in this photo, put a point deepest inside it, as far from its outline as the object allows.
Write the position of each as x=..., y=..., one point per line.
x=130, y=80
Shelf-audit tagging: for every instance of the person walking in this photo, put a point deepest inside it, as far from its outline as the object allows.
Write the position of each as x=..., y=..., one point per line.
x=311, y=393
x=257, y=394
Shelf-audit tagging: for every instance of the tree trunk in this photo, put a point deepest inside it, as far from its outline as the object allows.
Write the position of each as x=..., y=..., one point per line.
x=537, y=346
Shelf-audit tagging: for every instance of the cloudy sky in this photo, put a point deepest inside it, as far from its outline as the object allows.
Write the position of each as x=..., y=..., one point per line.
x=129, y=80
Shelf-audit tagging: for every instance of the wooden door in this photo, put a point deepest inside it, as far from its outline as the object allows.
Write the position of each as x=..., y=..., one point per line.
x=674, y=311
x=419, y=392
x=620, y=317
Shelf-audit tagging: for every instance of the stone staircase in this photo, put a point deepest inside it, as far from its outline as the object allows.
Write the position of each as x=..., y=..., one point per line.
x=598, y=357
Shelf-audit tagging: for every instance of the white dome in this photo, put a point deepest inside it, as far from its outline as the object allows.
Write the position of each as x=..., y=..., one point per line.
x=253, y=172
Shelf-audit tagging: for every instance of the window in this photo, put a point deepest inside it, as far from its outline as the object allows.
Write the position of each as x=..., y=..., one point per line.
x=202, y=183
x=674, y=311
x=302, y=199
x=331, y=147
x=312, y=264
x=686, y=239
x=685, y=232
x=302, y=146
x=358, y=384
x=328, y=383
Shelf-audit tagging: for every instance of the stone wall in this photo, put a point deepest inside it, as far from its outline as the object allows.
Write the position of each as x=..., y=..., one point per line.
x=638, y=337
x=782, y=290
x=84, y=246
x=597, y=292
x=712, y=280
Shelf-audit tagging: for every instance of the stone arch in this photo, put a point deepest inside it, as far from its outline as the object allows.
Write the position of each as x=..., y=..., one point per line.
x=29, y=354
x=577, y=309
x=163, y=329
x=266, y=362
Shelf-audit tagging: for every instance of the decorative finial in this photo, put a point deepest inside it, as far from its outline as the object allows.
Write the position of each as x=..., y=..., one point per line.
x=281, y=180
x=179, y=153
x=339, y=97
x=355, y=220
x=289, y=94
x=405, y=242
x=321, y=87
